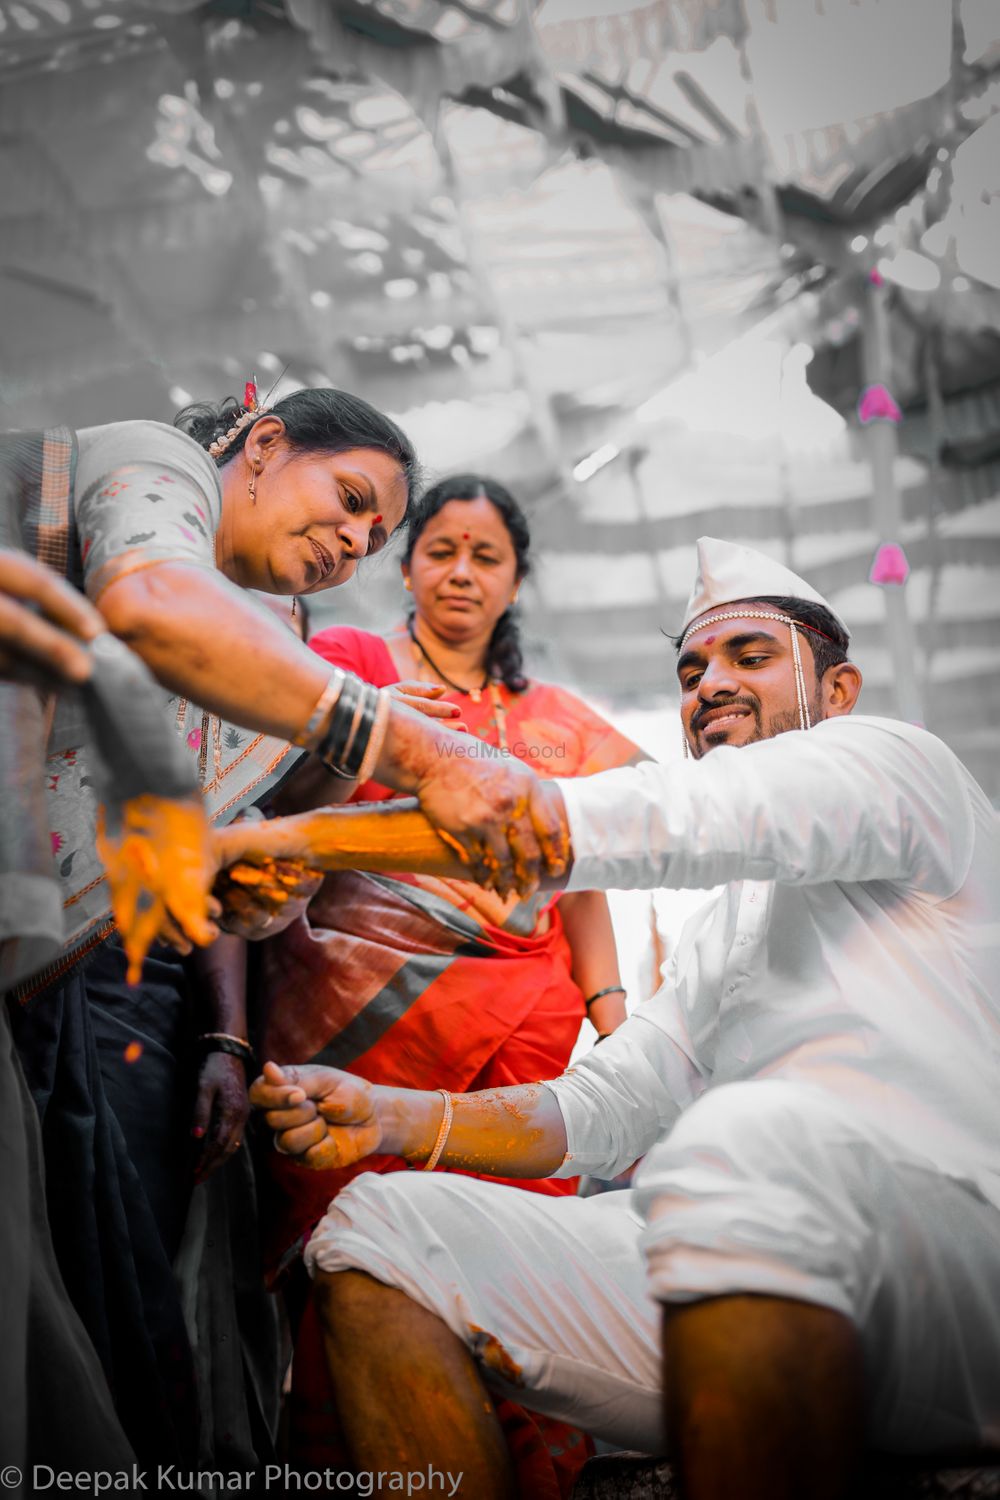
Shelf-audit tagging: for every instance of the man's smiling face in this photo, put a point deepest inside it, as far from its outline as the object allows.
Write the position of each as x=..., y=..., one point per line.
x=737, y=682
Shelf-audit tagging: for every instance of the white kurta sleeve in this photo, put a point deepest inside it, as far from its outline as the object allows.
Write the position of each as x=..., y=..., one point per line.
x=849, y=800
x=619, y=1099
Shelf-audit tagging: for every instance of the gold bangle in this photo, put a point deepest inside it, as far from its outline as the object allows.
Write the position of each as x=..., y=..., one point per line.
x=224, y=1036
x=443, y=1131
x=324, y=703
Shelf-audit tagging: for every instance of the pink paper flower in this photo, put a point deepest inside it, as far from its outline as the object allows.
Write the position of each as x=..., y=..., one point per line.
x=889, y=566
x=57, y=842
x=876, y=404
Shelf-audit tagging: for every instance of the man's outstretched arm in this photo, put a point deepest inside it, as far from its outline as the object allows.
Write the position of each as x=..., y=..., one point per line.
x=327, y=1118
x=598, y=1117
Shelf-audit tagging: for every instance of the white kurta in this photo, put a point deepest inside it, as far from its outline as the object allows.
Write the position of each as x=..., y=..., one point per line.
x=855, y=948
x=815, y=1085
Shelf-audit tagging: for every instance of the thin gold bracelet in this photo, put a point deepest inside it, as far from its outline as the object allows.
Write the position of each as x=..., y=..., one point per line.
x=443, y=1131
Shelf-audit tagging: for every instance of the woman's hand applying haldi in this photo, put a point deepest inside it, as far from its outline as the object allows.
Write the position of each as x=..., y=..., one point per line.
x=507, y=827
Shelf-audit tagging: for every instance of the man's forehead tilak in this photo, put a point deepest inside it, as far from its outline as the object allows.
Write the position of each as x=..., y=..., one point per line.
x=695, y=651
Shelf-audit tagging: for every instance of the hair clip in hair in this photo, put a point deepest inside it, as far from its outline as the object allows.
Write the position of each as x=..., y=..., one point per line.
x=251, y=410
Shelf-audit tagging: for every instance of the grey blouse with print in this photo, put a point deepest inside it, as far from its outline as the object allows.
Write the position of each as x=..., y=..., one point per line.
x=144, y=494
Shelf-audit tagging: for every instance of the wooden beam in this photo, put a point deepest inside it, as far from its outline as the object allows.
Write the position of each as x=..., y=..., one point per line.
x=560, y=528
x=591, y=635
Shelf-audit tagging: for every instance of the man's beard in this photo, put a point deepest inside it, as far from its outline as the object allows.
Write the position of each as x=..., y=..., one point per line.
x=783, y=722
x=779, y=723
x=741, y=702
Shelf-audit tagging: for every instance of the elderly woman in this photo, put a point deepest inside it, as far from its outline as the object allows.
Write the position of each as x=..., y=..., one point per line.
x=164, y=538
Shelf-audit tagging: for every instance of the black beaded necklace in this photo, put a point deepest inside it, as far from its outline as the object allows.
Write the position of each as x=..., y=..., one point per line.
x=474, y=693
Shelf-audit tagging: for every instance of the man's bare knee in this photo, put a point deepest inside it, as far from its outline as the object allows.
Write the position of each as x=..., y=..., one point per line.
x=358, y=1313
x=350, y=1289
x=352, y=1303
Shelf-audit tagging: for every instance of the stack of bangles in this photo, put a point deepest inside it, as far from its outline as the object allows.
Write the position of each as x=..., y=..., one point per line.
x=358, y=713
x=610, y=989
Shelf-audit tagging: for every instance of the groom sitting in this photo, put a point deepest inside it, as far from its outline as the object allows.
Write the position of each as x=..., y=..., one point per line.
x=810, y=1258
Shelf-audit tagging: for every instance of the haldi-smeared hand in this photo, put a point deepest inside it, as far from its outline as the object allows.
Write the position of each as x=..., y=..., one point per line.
x=321, y=1116
x=259, y=899
x=402, y=836
x=158, y=860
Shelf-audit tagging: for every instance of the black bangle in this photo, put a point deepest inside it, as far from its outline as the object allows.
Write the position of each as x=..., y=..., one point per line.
x=345, y=743
x=331, y=746
x=611, y=989
x=358, y=745
x=217, y=1042
x=336, y=771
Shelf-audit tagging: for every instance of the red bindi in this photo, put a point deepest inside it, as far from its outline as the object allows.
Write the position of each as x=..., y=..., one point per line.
x=709, y=639
x=466, y=535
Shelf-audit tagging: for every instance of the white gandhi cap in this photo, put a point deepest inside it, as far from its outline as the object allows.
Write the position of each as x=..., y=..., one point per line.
x=728, y=572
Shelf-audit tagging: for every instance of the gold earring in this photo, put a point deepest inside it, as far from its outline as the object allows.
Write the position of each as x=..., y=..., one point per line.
x=252, y=486
x=407, y=584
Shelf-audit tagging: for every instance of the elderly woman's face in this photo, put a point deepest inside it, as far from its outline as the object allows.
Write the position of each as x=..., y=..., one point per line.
x=314, y=516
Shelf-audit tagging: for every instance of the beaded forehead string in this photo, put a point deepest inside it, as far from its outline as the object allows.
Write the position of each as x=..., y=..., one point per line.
x=716, y=618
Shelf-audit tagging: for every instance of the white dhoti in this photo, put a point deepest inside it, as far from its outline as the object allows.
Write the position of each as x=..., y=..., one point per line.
x=761, y=1187
x=548, y=1293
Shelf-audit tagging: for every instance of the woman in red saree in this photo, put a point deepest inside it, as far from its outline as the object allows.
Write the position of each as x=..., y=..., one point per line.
x=419, y=982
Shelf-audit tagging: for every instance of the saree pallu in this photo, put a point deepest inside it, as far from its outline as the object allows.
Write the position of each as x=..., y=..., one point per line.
x=405, y=982
x=425, y=983
x=394, y=982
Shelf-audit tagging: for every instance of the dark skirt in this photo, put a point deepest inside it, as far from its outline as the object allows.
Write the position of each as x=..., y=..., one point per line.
x=111, y=1072
x=55, y=1407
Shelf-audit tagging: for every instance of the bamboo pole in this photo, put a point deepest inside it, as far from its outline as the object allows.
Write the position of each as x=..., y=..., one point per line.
x=887, y=507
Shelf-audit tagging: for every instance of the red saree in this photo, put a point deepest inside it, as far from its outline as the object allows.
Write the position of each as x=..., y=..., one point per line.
x=426, y=983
